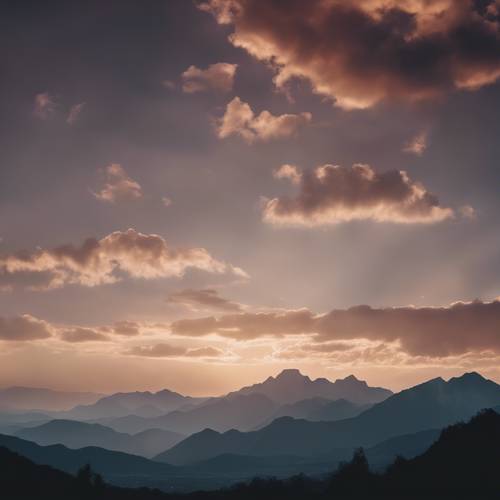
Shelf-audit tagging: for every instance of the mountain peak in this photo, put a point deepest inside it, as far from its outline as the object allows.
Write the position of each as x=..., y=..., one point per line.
x=290, y=373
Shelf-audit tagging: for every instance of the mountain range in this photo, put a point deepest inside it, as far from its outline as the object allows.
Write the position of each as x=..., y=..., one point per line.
x=431, y=405
x=291, y=386
x=75, y=434
x=248, y=408
x=461, y=464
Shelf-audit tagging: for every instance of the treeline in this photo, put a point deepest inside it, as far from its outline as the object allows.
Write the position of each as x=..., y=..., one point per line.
x=464, y=463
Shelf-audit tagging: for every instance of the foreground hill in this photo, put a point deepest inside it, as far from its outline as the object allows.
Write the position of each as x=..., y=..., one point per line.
x=291, y=386
x=461, y=464
x=431, y=405
x=75, y=434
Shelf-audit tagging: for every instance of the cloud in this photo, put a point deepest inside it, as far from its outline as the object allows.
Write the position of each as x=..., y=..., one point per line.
x=119, y=186
x=239, y=119
x=74, y=113
x=126, y=328
x=170, y=351
x=23, y=328
x=217, y=77
x=246, y=326
x=44, y=105
x=81, y=334
x=330, y=194
x=417, y=145
x=108, y=260
x=361, y=52
x=203, y=299
x=456, y=329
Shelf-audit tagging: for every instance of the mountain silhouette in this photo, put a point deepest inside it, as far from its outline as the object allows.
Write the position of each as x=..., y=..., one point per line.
x=431, y=405
x=238, y=412
x=147, y=404
x=75, y=434
x=290, y=386
x=461, y=464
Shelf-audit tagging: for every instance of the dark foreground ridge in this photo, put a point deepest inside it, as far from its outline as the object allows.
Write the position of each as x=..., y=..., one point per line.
x=463, y=463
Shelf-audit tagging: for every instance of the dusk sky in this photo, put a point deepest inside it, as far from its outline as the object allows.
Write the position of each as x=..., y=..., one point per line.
x=197, y=195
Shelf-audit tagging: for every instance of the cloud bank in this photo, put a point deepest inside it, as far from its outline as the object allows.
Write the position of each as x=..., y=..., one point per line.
x=361, y=52
x=330, y=194
x=420, y=331
x=207, y=298
x=170, y=351
x=108, y=260
x=23, y=328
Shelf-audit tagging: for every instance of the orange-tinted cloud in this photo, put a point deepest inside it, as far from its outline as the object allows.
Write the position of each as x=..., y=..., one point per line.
x=217, y=77
x=361, y=52
x=245, y=326
x=330, y=194
x=427, y=331
x=81, y=334
x=207, y=298
x=23, y=328
x=97, y=262
x=119, y=186
x=239, y=119
x=418, y=144
x=170, y=351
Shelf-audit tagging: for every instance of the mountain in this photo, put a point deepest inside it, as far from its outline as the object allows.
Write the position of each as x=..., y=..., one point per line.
x=15, y=399
x=146, y=404
x=431, y=405
x=291, y=386
x=23, y=479
x=234, y=412
x=317, y=409
x=461, y=464
x=75, y=434
x=464, y=460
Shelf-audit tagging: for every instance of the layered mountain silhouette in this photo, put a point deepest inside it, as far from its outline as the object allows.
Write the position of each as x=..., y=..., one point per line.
x=318, y=409
x=238, y=411
x=291, y=386
x=254, y=406
x=146, y=404
x=16, y=399
x=431, y=405
x=75, y=434
x=461, y=464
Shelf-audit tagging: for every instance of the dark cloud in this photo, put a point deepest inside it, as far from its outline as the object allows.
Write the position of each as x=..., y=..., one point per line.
x=428, y=331
x=80, y=334
x=330, y=194
x=364, y=51
x=96, y=262
x=24, y=327
x=207, y=298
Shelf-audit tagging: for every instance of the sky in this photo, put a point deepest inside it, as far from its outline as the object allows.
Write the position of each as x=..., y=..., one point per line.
x=197, y=195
